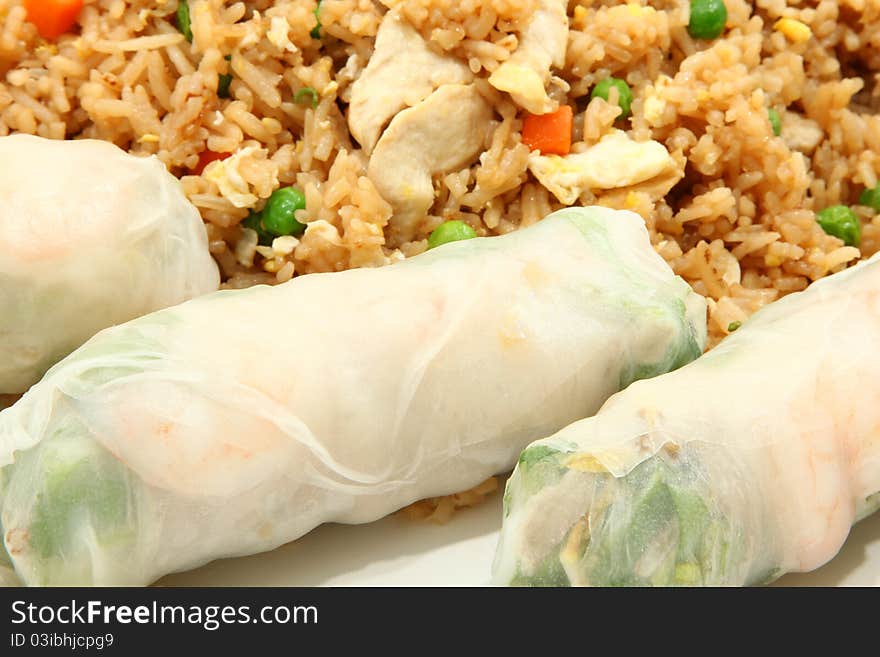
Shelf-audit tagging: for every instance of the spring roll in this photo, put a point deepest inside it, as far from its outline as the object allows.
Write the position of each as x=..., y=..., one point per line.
x=239, y=421
x=752, y=461
x=90, y=236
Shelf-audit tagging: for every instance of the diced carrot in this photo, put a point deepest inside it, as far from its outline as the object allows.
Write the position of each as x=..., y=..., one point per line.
x=205, y=158
x=549, y=133
x=53, y=17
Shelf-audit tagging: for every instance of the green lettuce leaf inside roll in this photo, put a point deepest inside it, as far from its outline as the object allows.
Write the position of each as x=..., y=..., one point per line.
x=656, y=526
x=67, y=488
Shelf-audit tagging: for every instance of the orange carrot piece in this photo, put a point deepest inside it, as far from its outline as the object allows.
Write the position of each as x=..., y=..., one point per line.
x=205, y=158
x=549, y=133
x=53, y=17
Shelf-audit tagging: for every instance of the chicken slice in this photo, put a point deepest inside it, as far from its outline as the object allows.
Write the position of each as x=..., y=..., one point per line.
x=615, y=161
x=442, y=133
x=542, y=46
x=402, y=71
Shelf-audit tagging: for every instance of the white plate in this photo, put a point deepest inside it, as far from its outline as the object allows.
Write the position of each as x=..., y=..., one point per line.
x=399, y=552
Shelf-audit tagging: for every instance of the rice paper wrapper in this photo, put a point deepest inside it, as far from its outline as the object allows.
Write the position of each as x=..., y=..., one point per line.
x=239, y=421
x=752, y=461
x=112, y=238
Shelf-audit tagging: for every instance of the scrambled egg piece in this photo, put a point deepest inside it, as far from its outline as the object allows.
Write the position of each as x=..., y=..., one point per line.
x=655, y=104
x=542, y=46
x=228, y=177
x=284, y=245
x=585, y=463
x=631, y=9
x=615, y=161
x=279, y=34
x=526, y=85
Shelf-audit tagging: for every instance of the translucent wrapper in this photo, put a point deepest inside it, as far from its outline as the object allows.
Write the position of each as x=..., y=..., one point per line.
x=90, y=236
x=241, y=420
x=753, y=461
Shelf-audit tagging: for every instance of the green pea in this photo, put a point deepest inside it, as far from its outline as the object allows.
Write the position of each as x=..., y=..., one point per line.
x=775, y=121
x=733, y=326
x=707, y=19
x=254, y=221
x=316, y=31
x=624, y=93
x=840, y=221
x=871, y=198
x=450, y=231
x=183, y=21
x=279, y=216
